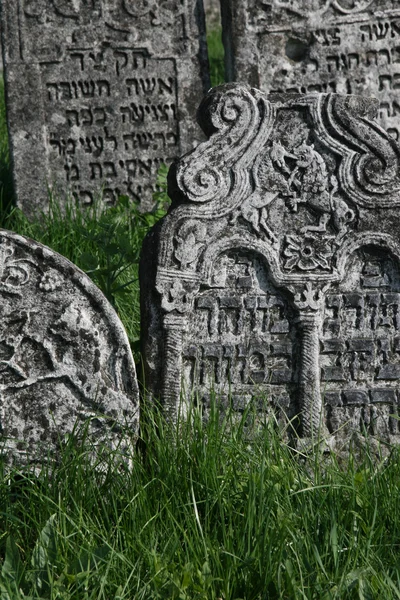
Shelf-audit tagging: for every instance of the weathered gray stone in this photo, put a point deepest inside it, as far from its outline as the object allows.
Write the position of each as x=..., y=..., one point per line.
x=100, y=93
x=65, y=358
x=275, y=277
x=305, y=46
x=213, y=13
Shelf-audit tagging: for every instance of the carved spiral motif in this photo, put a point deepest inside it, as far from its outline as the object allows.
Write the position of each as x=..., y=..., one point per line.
x=231, y=115
x=301, y=8
x=137, y=8
x=370, y=169
x=204, y=185
x=357, y=8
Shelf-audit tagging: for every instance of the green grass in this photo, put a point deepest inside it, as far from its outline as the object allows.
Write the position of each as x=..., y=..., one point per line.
x=203, y=513
x=216, y=57
x=106, y=245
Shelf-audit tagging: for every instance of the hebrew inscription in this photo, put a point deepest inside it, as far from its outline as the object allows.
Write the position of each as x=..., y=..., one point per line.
x=275, y=278
x=360, y=357
x=94, y=92
x=328, y=46
x=113, y=125
x=65, y=359
x=239, y=339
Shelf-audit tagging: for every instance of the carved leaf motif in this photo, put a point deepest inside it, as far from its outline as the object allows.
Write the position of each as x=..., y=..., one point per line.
x=190, y=241
x=178, y=298
x=310, y=298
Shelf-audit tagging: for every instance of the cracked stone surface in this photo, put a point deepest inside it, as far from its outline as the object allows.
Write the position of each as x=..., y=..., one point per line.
x=65, y=359
x=274, y=280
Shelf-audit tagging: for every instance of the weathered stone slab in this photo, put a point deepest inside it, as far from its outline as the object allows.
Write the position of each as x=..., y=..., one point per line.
x=64, y=356
x=303, y=46
x=213, y=13
x=275, y=277
x=100, y=94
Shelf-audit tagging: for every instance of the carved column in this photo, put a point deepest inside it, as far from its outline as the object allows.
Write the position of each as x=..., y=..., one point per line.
x=174, y=328
x=309, y=377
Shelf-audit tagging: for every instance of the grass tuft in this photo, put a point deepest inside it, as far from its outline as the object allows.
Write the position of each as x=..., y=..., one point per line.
x=209, y=509
x=203, y=513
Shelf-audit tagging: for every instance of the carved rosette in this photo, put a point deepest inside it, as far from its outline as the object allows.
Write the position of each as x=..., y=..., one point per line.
x=274, y=211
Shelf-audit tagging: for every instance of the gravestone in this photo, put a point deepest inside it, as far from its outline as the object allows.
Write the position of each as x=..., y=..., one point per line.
x=274, y=281
x=213, y=13
x=65, y=358
x=304, y=46
x=100, y=93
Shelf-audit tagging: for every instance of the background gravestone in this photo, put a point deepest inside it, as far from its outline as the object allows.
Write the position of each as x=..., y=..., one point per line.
x=100, y=94
x=213, y=13
x=275, y=277
x=64, y=356
x=303, y=46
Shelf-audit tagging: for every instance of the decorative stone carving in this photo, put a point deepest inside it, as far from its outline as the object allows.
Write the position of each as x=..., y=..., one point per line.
x=100, y=93
x=299, y=46
x=64, y=356
x=289, y=289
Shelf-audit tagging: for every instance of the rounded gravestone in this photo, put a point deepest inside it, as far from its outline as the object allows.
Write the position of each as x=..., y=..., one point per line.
x=65, y=360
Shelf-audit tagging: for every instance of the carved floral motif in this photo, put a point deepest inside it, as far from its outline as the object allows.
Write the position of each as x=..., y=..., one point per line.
x=310, y=297
x=50, y=281
x=280, y=198
x=308, y=252
x=190, y=239
x=177, y=298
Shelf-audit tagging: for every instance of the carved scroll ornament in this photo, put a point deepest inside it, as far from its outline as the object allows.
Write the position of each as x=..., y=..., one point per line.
x=283, y=234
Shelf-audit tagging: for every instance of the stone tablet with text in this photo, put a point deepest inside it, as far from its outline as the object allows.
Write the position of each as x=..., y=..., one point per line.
x=65, y=359
x=100, y=93
x=274, y=280
x=303, y=46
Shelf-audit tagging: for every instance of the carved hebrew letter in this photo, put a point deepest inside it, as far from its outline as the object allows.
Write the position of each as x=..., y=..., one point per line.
x=272, y=256
x=122, y=60
x=87, y=88
x=86, y=116
x=103, y=87
x=100, y=116
x=73, y=117
x=132, y=85
x=110, y=139
x=109, y=169
x=96, y=171
x=65, y=90
x=52, y=91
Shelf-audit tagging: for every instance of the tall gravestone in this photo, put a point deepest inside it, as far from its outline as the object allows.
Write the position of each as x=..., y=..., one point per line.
x=307, y=46
x=65, y=360
x=100, y=93
x=275, y=277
